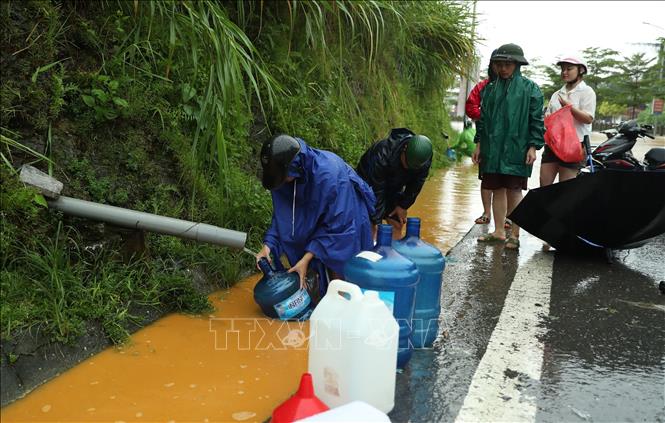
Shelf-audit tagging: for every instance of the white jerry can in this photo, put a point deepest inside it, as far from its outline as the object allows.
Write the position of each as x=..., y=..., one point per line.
x=353, y=348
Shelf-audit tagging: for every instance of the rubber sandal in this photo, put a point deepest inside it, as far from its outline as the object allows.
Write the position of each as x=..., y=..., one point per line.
x=489, y=238
x=513, y=243
x=483, y=220
x=507, y=224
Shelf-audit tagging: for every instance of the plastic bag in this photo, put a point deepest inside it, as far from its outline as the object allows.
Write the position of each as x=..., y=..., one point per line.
x=561, y=137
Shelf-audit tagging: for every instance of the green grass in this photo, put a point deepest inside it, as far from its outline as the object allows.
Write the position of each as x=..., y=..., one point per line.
x=58, y=287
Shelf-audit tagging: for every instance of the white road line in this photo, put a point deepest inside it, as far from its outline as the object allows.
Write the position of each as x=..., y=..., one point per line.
x=506, y=383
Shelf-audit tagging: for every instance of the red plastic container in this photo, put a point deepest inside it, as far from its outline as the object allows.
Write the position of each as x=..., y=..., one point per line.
x=302, y=404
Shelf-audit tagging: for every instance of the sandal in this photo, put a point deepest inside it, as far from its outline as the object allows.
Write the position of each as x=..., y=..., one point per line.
x=491, y=238
x=513, y=243
x=483, y=220
x=507, y=224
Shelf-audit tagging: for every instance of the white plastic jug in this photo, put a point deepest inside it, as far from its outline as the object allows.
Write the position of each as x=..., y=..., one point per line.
x=353, y=412
x=353, y=348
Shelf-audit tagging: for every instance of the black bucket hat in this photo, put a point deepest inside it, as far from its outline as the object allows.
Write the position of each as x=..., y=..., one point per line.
x=510, y=52
x=276, y=155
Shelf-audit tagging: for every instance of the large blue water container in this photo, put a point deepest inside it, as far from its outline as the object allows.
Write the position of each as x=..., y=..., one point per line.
x=430, y=263
x=279, y=294
x=395, y=278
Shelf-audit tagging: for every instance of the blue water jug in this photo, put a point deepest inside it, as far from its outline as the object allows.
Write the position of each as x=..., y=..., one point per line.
x=395, y=278
x=279, y=294
x=430, y=263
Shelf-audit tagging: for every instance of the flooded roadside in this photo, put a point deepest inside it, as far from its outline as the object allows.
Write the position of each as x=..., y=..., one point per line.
x=233, y=365
x=216, y=368
x=213, y=368
x=448, y=204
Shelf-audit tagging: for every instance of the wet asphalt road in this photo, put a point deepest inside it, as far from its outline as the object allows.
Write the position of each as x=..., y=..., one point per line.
x=590, y=347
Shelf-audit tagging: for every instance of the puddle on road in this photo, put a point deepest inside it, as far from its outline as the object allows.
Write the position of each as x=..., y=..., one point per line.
x=181, y=368
x=448, y=205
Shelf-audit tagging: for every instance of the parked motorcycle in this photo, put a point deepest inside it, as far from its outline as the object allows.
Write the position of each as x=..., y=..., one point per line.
x=616, y=151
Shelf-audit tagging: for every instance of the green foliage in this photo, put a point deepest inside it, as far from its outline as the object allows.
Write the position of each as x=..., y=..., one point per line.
x=552, y=76
x=178, y=290
x=631, y=87
x=31, y=91
x=609, y=110
x=59, y=286
x=647, y=116
x=104, y=98
x=22, y=217
x=9, y=146
x=603, y=64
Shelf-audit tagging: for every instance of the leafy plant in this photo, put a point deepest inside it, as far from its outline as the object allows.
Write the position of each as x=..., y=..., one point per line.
x=104, y=99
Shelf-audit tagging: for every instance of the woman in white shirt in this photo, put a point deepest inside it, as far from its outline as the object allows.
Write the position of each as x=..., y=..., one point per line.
x=583, y=99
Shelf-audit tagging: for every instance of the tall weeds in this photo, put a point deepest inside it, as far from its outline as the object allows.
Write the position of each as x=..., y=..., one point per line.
x=192, y=42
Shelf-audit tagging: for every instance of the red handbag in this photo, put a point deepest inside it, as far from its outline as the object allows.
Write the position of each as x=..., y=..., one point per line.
x=561, y=136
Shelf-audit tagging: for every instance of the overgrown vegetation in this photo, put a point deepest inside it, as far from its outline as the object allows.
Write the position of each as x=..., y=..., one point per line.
x=162, y=106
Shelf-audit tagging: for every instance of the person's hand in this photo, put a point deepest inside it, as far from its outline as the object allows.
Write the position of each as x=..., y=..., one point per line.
x=531, y=155
x=265, y=252
x=475, y=157
x=562, y=101
x=400, y=214
x=395, y=223
x=301, y=267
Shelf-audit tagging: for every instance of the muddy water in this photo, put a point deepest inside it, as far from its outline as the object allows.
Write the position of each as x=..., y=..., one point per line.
x=229, y=366
x=448, y=205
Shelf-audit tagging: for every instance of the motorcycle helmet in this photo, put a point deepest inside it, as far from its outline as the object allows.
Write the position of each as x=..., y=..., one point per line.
x=574, y=61
x=276, y=155
x=418, y=151
x=628, y=126
x=511, y=53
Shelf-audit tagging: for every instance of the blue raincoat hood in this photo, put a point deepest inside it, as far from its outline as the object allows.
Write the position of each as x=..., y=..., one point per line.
x=326, y=210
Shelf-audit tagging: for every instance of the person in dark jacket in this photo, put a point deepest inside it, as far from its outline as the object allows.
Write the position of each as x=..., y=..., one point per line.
x=396, y=169
x=321, y=208
x=510, y=131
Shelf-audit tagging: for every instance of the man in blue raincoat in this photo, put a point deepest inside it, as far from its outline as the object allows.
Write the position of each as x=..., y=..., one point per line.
x=321, y=208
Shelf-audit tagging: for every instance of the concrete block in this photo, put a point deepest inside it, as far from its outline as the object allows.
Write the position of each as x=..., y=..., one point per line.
x=47, y=185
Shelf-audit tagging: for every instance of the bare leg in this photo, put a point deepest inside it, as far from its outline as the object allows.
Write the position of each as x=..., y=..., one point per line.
x=548, y=172
x=499, y=206
x=566, y=173
x=486, y=196
x=514, y=196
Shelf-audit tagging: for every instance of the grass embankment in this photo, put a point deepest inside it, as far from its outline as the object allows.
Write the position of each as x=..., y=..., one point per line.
x=162, y=106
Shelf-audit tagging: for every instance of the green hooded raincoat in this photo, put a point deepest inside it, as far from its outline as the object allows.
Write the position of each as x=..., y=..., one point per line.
x=511, y=121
